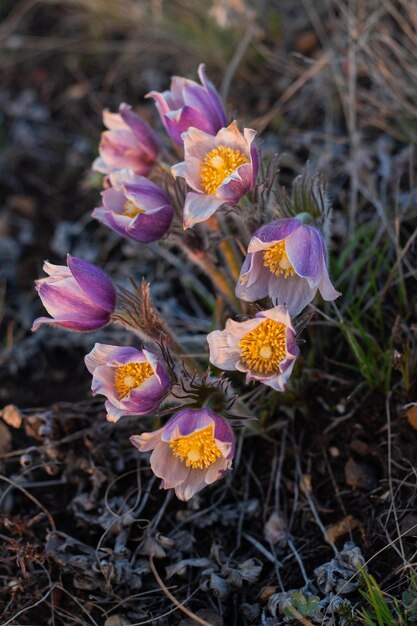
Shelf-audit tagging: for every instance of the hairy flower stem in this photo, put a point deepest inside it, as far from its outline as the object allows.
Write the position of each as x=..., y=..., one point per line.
x=227, y=248
x=201, y=260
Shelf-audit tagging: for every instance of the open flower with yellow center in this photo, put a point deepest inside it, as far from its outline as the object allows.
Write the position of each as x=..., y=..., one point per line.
x=194, y=449
x=133, y=381
x=219, y=169
x=135, y=207
x=264, y=347
x=287, y=261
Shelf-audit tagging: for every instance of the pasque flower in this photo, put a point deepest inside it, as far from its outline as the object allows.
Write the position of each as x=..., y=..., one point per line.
x=189, y=104
x=219, y=169
x=133, y=381
x=79, y=296
x=129, y=142
x=287, y=261
x=264, y=347
x=194, y=449
x=135, y=207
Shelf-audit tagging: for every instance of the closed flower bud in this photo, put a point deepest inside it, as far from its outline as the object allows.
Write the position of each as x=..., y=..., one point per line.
x=135, y=207
x=79, y=296
x=188, y=104
x=129, y=142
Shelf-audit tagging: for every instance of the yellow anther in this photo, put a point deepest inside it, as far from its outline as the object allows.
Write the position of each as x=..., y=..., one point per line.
x=264, y=347
x=198, y=450
x=130, y=209
x=130, y=376
x=218, y=164
x=277, y=261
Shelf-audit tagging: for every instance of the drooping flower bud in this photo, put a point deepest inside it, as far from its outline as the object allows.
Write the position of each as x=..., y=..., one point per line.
x=188, y=104
x=79, y=296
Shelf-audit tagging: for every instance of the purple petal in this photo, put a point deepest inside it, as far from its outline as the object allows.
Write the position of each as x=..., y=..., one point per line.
x=186, y=422
x=235, y=186
x=178, y=122
x=216, y=103
x=94, y=282
x=305, y=253
x=276, y=231
x=294, y=292
x=254, y=279
x=142, y=132
x=67, y=322
x=68, y=301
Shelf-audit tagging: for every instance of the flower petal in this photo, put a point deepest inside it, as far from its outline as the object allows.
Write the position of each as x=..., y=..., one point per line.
x=293, y=292
x=199, y=207
x=94, y=282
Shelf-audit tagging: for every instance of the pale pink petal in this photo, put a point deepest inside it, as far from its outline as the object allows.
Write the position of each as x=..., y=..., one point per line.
x=199, y=207
x=168, y=467
x=147, y=441
x=193, y=483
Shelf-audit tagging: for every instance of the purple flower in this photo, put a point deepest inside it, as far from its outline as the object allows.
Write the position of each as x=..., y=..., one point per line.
x=78, y=297
x=264, y=347
x=219, y=169
x=129, y=142
x=190, y=104
x=133, y=381
x=194, y=449
x=286, y=260
x=135, y=207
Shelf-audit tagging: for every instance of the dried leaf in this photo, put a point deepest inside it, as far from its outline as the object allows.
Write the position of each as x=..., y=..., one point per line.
x=180, y=568
x=360, y=475
x=11, y=415
x=341, y=527
x=275, y=529
x=214, y=619
x=411, y=414
x=116, y=620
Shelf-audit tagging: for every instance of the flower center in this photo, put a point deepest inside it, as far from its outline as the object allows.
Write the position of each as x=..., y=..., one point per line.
x=131, y=209
x=218, y=164
x=198, y=450
x=264, y=347
x=130, y=376
x=276, y=260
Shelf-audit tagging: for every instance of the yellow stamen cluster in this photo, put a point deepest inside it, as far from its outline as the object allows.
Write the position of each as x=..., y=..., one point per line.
x=277, y=261
x=131, y=209
x=218, y=164
x=198, y=450
x=130, y=376
x=264, y=347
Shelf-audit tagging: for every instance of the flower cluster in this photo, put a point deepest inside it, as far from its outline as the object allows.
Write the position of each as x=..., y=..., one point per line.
x=286, y=261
